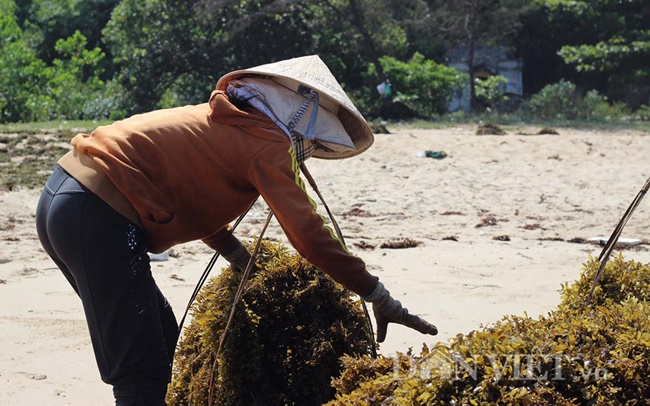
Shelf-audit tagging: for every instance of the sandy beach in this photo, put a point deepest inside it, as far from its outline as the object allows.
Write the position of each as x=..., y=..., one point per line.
x=499, y=220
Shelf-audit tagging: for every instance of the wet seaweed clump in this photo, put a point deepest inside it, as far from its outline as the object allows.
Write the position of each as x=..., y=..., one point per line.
x=403, y=243
x=579, y=354
x=548, y=130
x=283, y=347
x=379, y=129
x=489, y=129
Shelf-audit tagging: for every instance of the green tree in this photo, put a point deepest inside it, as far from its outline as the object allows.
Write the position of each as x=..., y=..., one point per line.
x=172, y=51
x=347, y=34
x=374, y=25
x=255, y=33
x=537, y=41
x=474, y=23
x=148, y=40
x=76, y=83
x=490, y=91
x=32, y=90
x=22, y=75
x=47, y=21
x=620, y=47
x=602, y=45
x=421, y=84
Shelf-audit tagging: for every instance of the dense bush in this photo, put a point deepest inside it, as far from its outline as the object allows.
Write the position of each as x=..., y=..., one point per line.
x=288, y=333
x=562, y=101
x=491, y=90
x=643, y=113
x=421, y=84
x=554, y=101
x=577, y=355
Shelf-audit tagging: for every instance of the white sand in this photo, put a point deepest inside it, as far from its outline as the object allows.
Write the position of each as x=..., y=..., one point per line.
x=574, y=185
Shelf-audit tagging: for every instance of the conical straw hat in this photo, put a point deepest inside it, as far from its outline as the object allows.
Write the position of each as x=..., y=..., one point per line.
x=312, y=72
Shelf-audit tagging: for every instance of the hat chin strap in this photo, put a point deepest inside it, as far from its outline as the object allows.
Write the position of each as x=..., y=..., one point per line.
x=243, y=92
x=304, y=149
x=310, y=132
x=303, y=152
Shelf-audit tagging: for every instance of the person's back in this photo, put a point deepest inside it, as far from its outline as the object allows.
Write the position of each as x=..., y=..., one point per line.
x=181, y=169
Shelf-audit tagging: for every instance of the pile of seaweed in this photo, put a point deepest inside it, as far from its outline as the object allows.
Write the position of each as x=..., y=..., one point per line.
x=290, y=329
x=489, y=129
x=579, y=354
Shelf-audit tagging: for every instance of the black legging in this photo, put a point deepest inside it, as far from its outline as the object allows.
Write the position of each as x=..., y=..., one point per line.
x=104, y=257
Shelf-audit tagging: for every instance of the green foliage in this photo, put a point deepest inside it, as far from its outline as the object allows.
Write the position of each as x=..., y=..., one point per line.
x=109, y=103
x=554, y=101
x=561, y=101
x=383, y=21
x=284, y=344
x=76, y=82
x=606, y=42
x=143, y=47
x=620, y=281
x=171, y=52
x=49, y=21
x=18, y=64
x=421, y=84
x=163, y=53
x=622, y=34
x=351, y=34
x=491, y=90
x=472, y=25
x=7, y=7
x=61, y=90
x=605, y=55
x=643, y=113
x=185, y=89
x=577, y=355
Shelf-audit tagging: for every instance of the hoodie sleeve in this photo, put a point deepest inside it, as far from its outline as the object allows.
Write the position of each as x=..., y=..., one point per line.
x=276, y=175
x=223, y=241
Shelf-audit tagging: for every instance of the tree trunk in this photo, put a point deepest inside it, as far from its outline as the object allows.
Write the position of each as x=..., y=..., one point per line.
x=470, y=63
x=473, y=102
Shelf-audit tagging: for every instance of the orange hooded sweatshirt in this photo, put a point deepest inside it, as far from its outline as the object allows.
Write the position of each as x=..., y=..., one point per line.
x=185, y=173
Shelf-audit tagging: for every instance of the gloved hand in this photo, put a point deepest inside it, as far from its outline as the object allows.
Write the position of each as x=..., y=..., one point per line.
x=238, y=258
x=388, y=310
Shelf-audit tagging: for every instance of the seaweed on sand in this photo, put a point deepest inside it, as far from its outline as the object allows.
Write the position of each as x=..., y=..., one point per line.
x=283, y=347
